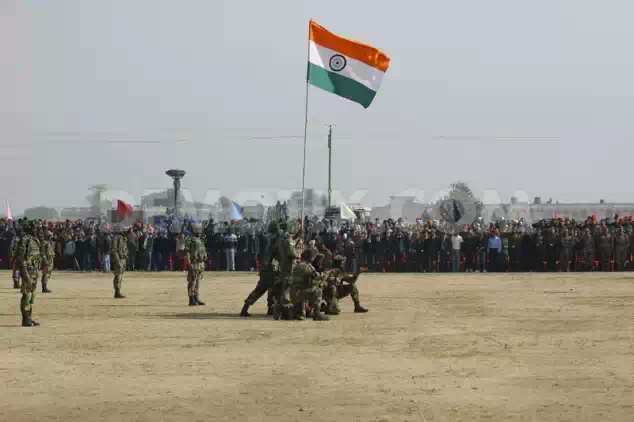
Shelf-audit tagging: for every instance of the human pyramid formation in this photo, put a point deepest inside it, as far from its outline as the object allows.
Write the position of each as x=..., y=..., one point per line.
x=293, y=276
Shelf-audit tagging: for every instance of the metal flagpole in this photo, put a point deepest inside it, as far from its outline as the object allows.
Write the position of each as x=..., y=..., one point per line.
x=330, y=165
x=305, y=129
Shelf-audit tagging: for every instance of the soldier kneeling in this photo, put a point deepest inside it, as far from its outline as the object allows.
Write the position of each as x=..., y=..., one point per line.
x=340, y=285
x=306, y=286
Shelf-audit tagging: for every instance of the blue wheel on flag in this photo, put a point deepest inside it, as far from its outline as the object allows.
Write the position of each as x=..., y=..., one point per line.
x=337, y=63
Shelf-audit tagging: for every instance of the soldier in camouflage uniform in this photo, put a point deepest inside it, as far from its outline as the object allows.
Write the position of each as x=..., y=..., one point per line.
x=28, y=260
x=339, y=285
x=119, y=255
x=48, y=259
x=621, y=249
x=195, y=259
x=306, y=286
x=587, y=242
x=606, y=243
x=269, y=272
x=12, y=263
x=289, y=251
x=567, y=250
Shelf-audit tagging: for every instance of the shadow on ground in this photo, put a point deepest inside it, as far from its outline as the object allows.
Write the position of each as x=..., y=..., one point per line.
x=213, y=315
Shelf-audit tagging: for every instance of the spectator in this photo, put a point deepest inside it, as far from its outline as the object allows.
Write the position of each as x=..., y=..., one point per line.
x=456, y=244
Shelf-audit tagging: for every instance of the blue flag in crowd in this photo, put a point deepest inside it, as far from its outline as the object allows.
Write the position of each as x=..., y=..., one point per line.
x=236, y=211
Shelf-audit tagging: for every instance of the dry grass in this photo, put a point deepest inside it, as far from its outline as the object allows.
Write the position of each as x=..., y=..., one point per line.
x=433, y=348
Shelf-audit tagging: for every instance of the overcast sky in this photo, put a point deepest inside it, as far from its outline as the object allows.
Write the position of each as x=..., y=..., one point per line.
x=533, y=95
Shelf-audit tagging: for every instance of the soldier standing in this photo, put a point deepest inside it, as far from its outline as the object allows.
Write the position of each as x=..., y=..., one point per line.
x=48, y=259
x=567, y=249
x=587, y=242
x=306, y=287
x=605, y=250
x=13, y=247
x=621, y=248
x=288, y=253
x=119, y=257
x=269, y=271
x=28, y=260
x=195, y=259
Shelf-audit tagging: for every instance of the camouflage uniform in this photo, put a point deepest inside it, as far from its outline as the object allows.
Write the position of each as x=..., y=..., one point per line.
x=196, y=257
x=12, y=262
x=119, y=256
x=306, y=286
x=336, y=289
x=48, y=260
x=288, y=253
x=28, y=260
x=588, y=250
x=566, y=251
x=621, y=247
x=605, y=250
x=269, y=272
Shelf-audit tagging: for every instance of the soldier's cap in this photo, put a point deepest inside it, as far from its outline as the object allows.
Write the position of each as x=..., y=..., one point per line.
x=309, y=254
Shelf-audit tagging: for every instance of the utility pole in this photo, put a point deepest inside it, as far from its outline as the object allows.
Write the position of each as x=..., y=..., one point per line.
x=330, y=165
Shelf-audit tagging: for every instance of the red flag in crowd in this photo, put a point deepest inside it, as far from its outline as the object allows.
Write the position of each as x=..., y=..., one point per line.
x=123, y=208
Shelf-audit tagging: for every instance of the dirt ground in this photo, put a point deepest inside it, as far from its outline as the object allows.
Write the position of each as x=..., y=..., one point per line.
x=461, y=347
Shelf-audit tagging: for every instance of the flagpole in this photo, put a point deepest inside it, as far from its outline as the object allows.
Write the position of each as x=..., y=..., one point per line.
x=305, y=129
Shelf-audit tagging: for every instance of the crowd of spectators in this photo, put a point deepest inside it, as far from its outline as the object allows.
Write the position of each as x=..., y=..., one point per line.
x=379, y=246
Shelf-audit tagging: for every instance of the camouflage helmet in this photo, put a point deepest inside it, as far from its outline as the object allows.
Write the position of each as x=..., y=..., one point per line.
x=274, y=227
x=197, y=227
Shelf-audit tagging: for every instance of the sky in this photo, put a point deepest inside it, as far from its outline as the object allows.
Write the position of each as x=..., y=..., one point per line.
x=533, y=96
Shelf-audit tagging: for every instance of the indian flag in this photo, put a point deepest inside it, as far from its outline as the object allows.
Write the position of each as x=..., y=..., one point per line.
x=347, y=68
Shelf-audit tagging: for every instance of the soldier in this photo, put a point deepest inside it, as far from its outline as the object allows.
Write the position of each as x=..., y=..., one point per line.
x=269, y=271
x=28, y=260
x=13, y=246
x=119, y=258
x=621, y=248
x=48, y=259
x=306, y=286
x=195, y=259
x=336, y=289
x=289, y=250
x=567, y=250
x=587, y=242
x=606, y=243
x=515, y=251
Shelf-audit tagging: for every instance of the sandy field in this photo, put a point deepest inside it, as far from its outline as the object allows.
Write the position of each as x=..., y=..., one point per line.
x=461, y=347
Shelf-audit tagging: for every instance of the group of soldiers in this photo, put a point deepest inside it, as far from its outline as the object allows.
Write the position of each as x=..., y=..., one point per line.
x=296, y=279
x=31, y=254
x=298, y=283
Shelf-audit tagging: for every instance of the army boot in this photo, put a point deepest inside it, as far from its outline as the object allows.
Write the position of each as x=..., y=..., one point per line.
x=118, y=295
x=359, y=309
x=45, y=288
x=16, y=284
x=192, y=301
x=245, y=310
x=269, y=311
x=318, y=316
x=198, y=301
x=26, y=322
x=33, y=323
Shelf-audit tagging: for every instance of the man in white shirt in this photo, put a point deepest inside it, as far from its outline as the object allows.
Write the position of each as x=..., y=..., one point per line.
x=456, y=243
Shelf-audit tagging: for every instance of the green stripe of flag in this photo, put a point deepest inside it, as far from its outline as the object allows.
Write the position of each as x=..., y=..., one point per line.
x=340, y=85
